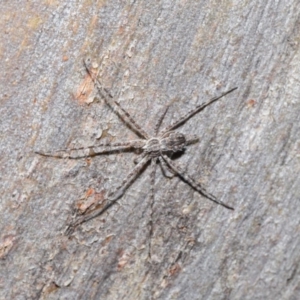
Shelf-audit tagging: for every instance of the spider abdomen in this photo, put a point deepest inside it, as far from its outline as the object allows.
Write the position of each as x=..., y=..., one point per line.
x=173, y=141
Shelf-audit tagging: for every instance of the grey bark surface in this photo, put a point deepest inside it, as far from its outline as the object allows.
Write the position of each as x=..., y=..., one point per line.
x=151, y=54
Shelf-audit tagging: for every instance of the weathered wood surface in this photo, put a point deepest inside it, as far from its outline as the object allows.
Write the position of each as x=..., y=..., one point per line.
x=151, y=53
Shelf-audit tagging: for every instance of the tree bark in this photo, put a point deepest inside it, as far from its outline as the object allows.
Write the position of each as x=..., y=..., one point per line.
x=151, y=54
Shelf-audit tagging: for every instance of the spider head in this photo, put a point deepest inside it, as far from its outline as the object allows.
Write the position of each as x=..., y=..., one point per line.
x=173, y=141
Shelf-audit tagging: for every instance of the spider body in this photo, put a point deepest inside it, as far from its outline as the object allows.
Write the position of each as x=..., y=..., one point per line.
x=169, y=143
x=155, y=149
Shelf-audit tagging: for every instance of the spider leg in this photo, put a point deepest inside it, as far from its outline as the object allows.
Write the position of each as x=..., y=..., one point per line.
x=130, y=178
x=194, y=111
x=192, y=182
x=152, y=178
x=112, y=199
x=159, y=121
x=115, y=106
x=136, y=127
x=83, y=152
x=167, y=171
x=140, y=157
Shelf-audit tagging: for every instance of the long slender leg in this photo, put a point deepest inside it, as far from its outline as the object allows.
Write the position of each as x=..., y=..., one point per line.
x=159, y=121
x=83, y=152
x=192, y=182
x=167, y=171
x=113, y=198
x=116, y=107
x=133, y=123
x=152, y=179
x=194, y=111
x=140, y=157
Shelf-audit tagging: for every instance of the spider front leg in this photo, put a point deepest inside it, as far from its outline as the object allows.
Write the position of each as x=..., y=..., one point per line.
x=115, y=106
x=152, y=186
x=140, y=157
x=113, y=198
x=84, y=152
x=192, y=182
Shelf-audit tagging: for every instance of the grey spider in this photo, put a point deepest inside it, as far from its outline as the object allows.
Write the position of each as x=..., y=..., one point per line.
x=154, y=149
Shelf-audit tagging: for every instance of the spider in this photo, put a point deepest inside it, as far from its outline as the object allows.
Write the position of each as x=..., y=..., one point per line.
x=155, y=149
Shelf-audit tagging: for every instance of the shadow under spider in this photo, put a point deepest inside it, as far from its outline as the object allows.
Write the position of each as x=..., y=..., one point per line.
x=154, y=149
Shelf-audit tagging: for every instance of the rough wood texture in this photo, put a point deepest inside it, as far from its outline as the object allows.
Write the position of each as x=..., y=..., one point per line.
x=151, y=53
